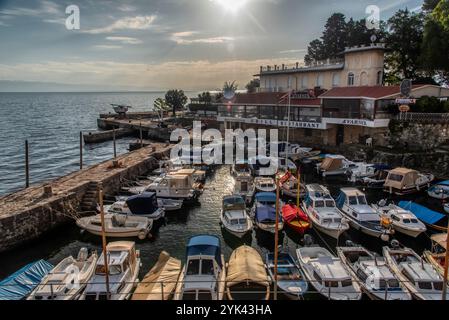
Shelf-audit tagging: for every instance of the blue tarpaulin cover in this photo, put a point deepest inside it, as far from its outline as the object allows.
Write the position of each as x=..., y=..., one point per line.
x=265, y=213
x=205, y=245
x=422, y=213
x=142, y=204
x=266, y=197
x=18, y=285
x=443, y=183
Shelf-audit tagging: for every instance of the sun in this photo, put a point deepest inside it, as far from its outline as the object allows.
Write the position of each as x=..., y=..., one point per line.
x=231, y=5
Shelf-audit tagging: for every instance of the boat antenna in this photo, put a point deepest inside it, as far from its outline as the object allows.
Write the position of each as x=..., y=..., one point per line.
x=103, y=238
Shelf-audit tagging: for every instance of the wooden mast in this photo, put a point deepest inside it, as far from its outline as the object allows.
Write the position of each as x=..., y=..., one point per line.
x=103, y=238
x=276, y=241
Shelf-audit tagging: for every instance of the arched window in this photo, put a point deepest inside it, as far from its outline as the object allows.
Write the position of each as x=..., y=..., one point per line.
x=336, y=80
x=351, y=79
x=319, y=80
x=379, y=78
x=363, y=79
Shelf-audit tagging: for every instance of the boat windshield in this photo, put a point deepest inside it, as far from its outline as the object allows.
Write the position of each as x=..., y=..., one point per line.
x=362, y=200
x=236, y=222
x=319, y=204
x=330, y=203
x=207, y=267
x=113, y=269
x=395, y=177
x=392, y=283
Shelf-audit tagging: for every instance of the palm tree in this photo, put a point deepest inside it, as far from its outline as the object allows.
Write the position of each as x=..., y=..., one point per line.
x=229, y=89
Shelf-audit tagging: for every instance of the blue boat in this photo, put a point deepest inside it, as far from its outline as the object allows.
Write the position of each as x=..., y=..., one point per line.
x=22, y=282
x=440, y=190
x=264, y=212
x=424, y=214
x=204, y=275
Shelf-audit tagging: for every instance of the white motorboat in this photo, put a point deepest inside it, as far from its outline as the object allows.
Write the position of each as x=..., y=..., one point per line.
x=360, y=170
x=402, y=181
x=404, y=221
x=167, y=204
x=361, y=216
x=322, y=211
x=117, y=226
x=141, y=205
x=290, y=278
x=264, y=212
x=439, y=190
x=204, y=275
x=234, y=217
x=244, y=187
x=373, y=274
x=174, y=186
x=264, y=184
x=327, y=274
x=418, y=276
x=123, y=266
x=68, y=279
x=120, y=109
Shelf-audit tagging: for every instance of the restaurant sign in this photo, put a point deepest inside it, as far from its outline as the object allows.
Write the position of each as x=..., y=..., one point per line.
x=276, y=123
x=378, y=123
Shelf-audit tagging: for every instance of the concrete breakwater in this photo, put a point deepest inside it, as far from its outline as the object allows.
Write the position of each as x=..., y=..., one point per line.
x=30, y=213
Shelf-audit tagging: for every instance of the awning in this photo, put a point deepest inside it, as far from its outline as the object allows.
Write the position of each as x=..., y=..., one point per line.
x=20, y=284
x=422, y=213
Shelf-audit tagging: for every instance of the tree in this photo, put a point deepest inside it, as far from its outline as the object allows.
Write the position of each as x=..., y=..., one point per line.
x=441, y=13
x=315, y=52
x=160, y=106
x=404, y=44
x=429, y=5
x=335, y=35
x=176, y=99
x=252, y=86
x=205, y=98
x=229, y=89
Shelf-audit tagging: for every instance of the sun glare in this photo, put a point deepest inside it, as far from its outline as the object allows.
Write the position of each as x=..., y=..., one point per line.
x=232, y=5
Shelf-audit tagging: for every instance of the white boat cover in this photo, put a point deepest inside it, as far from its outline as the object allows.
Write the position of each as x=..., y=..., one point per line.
x=165, y=271
x=246, y=265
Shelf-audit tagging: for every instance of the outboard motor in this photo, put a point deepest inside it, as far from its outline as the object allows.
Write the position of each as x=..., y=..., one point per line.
x=395, y=244
x=382, y=203
x=349, y=243
x=83, y=254
x=308, y=240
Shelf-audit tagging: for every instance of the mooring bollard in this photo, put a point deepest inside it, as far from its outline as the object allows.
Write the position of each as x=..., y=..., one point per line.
x=27, y=166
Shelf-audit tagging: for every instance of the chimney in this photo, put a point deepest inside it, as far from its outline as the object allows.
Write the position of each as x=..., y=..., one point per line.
x=297, y=65
x=283, y=66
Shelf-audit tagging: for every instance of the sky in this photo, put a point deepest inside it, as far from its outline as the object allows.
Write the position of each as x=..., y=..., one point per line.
x=163, y=44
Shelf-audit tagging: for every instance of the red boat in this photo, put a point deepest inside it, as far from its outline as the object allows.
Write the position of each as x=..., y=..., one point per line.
x=295, y=218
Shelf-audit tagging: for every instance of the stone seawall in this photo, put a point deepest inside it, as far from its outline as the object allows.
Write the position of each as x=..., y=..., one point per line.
x=28, y=214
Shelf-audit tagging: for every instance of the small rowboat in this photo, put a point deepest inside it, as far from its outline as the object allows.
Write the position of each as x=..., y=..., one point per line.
x=295, y=218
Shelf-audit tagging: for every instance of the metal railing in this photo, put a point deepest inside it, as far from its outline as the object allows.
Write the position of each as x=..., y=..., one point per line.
x=420, y=117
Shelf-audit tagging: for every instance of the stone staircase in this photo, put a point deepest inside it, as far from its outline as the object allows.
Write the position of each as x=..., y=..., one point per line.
x=90, y=198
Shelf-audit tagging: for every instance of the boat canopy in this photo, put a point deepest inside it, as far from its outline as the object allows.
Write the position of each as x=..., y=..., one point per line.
x=290, y=213
x=400, y=177
x=331, y=163
x=441, y=239
x=233, y=203
x=22, y=282
x=266, y=197
x=265, y=213
x=246, y=265
x=443, y=183
x=205, y=245
x=422, y=213
x=166, y=271
x=141, y=204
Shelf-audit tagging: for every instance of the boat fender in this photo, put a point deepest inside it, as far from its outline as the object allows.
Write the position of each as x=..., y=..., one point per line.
x=385, y=237
x=142, y=234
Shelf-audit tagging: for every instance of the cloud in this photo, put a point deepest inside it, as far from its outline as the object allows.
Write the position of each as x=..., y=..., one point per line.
x=127, y=23
x=126, y=8
x=187, y=37
x=46, y=7
x=293, y=51
x=125, y=40
x=107, y=47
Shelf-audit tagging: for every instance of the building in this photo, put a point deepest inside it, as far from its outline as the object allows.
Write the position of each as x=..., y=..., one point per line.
x=342, y=115
x=357, y=66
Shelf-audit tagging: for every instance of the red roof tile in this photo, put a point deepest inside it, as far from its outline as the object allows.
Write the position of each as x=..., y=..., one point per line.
x=375, y=92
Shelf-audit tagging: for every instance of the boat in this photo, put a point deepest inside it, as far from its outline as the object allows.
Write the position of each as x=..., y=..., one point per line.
x=247, y=278
x=263, y=166
x=418, y=276
x=117, y=226
x=403, y=221
x=234, y=218
x=141, y=205
x=403, y=181
x=360, y=170
x=295, y=218
x=373, y=274
x=376, y=181
x=21, y=283
x=120, y=109
x=264, y=184
x=68, y=279
x=286, y=165
x=322, y=211
x=334, y=165
x=429, y=217
x=437, y=255
x=123, y=266
x=160, y=282
x=289, y=186
x=203, y=276
x=174, y=186
x=240, y=168
x=361, y=216
x=290, y=278
x=167, y=204
x=439, y=190
x=244, y=187
x=327, y=274
x=264, y=212
x=295, y=151
x=446, y=207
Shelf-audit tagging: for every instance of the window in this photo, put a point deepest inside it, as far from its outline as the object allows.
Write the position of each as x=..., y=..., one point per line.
x=304, y=82
x=330, y=203
x=319, y=80
x=189, y=295
x=318, y=278
x=364, y=79
x=193, y=267
x=351, y=79
x=379, y=80
x=346, y=283
x=438, y=285
x=395, y=218
x=308, y=132
x=336, y=80
x=362, y=200
x=204, y=295
x=395, y=177
x=352, y=200
x=332, y=284
x=319, y=204
x=207, y=267
x=425, y=285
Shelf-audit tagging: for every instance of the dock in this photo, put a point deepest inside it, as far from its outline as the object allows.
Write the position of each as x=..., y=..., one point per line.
x=107, y=135
x=27, y=214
